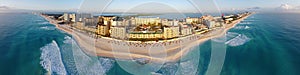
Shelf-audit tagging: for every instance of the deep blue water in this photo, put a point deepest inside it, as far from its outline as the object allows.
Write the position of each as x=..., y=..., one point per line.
x=263, y=44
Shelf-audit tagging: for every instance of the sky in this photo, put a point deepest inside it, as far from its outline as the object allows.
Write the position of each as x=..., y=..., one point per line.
x=147, y=5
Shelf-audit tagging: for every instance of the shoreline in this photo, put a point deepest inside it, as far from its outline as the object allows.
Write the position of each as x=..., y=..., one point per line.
x=174, y=49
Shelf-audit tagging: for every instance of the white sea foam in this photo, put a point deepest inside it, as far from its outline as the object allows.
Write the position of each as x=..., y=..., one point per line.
x=189, y=67
x=241, y=27
x=169, y=69
x=247, y=27
x=106, y=63
x=51, y=59
x=48, y=28
x=88, y=65
x=68, y=40
x=43, y=23
x=238, y=40
x=231, y=34
x=67, y=55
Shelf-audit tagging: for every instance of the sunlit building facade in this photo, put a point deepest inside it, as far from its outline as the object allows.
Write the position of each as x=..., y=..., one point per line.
x=185, y=30
x=171, y=32
x=118, y=32
x=192, y=20
x=139, y=21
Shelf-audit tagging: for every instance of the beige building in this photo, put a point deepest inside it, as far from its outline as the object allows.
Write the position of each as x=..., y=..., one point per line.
x=79, y=25
x=117, y=23
x=185, y=30
x=118, y=32
x=72, y=17
x=192, y=20
x=105, y=23
x=209, y=21
x=171, y=32
x=66, y=17
x=170, y=22
x=102, y=30
x=155, y=21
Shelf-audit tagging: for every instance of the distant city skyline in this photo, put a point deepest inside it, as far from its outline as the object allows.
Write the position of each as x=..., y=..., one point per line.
x=148, y=6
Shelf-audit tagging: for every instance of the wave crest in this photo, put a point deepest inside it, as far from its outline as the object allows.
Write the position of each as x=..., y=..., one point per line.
x=43, y=23
x=238, y=40
x=241, y=27
x=86, y=64
x=51, y=59
x=48, y=28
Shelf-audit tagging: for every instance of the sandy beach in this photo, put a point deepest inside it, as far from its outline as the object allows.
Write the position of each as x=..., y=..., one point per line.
x=162, y=51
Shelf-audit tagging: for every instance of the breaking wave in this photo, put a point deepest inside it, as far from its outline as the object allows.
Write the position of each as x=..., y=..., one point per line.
x=48, y=28
x=169, y=69
x=68, y=40
x=43, y=23
x=241, y=27
x=85, y=64
x=188, y=65
x=181, y=68
x=51, y=59
x=106, y=63
x=238, y=40
x=247, y=27
x=231, y=34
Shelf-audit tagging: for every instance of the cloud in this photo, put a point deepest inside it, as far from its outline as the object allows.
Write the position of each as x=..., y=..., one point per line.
x=286, y=7
x=4, y=8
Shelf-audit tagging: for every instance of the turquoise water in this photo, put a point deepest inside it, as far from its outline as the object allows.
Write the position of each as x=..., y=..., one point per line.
x=263, y=44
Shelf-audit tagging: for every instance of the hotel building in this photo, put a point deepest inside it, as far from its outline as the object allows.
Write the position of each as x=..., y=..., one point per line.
x=185, y=30
x=104, y=25
x=209, y=21
x=171, y=32
x=66, y=17
x=193, y=20
x=118, y=32
x=72, y=17
x=139, y=21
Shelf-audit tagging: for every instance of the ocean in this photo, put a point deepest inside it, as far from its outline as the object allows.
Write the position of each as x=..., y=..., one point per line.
x=262, y=44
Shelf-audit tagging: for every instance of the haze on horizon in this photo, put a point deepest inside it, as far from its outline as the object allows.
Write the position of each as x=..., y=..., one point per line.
x=150, y=6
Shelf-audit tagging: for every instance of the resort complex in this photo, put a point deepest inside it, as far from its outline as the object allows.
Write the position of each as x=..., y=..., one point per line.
x=104, y=34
